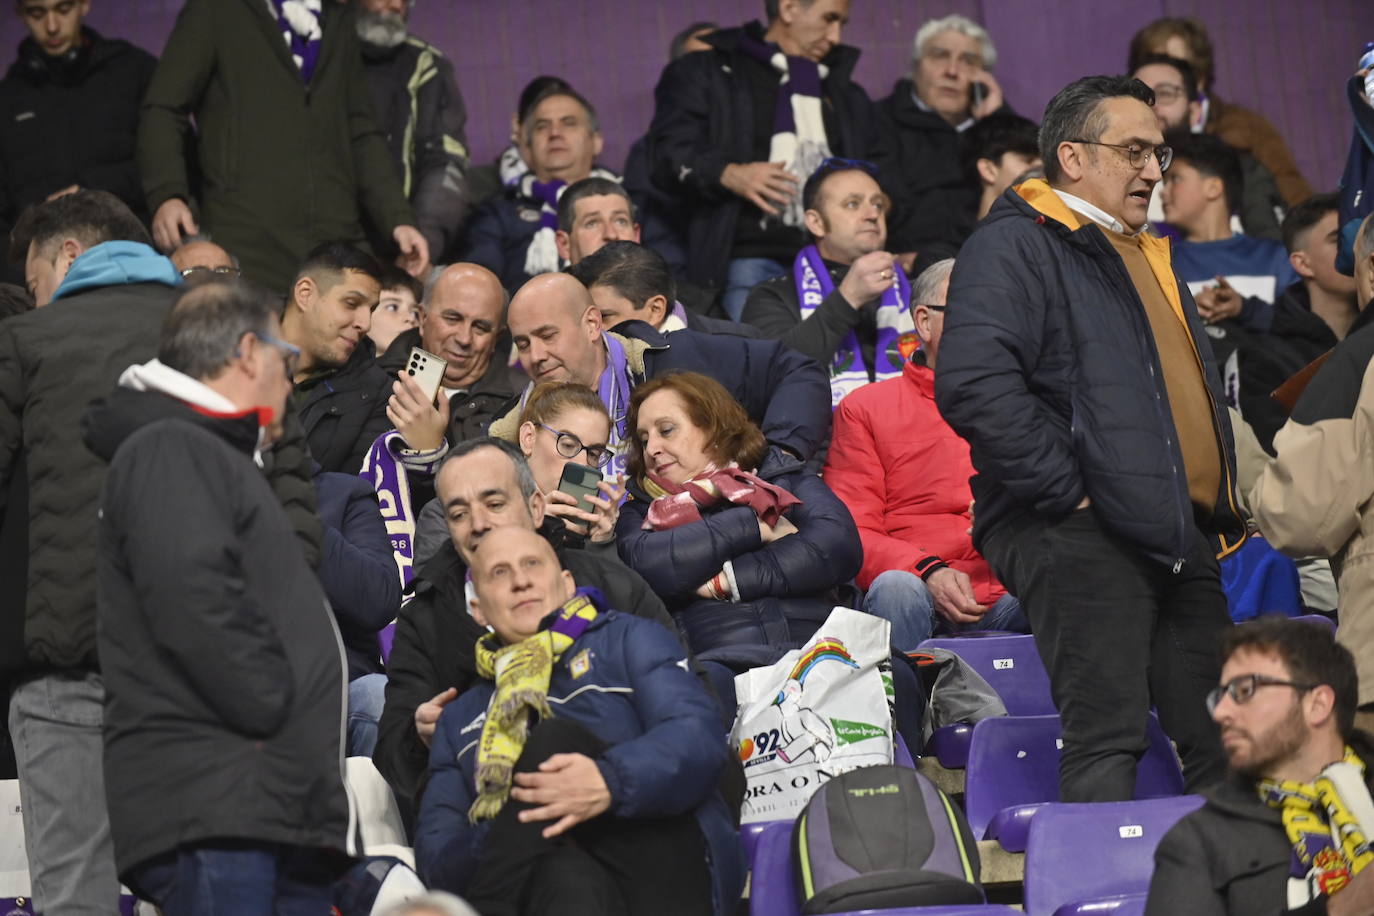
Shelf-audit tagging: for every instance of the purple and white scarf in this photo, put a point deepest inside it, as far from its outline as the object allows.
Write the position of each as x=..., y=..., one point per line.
x=896, y=330
x=383, y=469
x=676, y=320
x=542, y=255
x=799, y=138
x=300, y=27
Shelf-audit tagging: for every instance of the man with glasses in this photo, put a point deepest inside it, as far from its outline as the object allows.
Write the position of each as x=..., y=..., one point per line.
x=846, y=303
x=198, y=259
x=951, y=88
x=1289, y=829
x=1074, y=363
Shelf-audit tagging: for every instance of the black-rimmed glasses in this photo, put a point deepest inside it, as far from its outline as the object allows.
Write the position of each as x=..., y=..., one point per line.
x=1242, y=689
x=570, y=446
x=1138, y=155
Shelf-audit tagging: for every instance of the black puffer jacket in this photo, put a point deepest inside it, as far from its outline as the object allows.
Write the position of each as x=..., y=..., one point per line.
x=786, y=588
x=344, y=410
x=704, y=120
x=224, y=673
x=1048, y=368
x=72, y=120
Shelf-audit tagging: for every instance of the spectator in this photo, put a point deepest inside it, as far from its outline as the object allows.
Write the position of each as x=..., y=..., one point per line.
x=1314, y=498
x=1263, y=841
x=420, y=111
x=846, y=303
x=223, y=762
x=1199, y=194
x=736, y=128
x=1124, y=475
x=764, y=577
x=359, y=577
x=197, y=258
x=591, y=213
x=611, y=807
x=483, y=484
x=70, y=108
x=1311, y=233
x=340, y=392
x=1244, y=130
x=564, y=422
x=1001, y=150
x=487, y=181
x=951, y=89
x=299, y=82
x=398, y=308
x=629, y=282
x=102, y=292
x=1178, y=104
x=907, y=488
x=514, y=235
x=558, y=335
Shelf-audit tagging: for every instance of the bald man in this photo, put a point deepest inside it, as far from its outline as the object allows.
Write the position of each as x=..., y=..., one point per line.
x=558, y=335
x=199, y=257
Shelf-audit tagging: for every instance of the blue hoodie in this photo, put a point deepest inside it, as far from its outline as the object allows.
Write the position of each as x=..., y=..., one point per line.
x=117, y=264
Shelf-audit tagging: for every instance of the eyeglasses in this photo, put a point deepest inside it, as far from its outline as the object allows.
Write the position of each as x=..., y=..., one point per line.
x=933, y=308
x=232, y=272
x=1242, y=689
x=569, y=446
x=1139, y=155
x=1168, y=93
x=290, y=353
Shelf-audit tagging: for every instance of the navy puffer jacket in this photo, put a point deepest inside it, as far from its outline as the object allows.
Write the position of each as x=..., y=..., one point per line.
x=1049, y=369
x=787, y=588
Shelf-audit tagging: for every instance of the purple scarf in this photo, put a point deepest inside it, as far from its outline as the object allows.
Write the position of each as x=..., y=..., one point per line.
x=300, y=26
x=383, y=470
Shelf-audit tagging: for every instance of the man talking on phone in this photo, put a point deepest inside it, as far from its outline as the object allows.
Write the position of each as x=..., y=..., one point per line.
x=950, y=89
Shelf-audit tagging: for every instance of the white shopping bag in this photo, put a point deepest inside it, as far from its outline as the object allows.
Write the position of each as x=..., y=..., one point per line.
x=14, y=864
x=819, y=711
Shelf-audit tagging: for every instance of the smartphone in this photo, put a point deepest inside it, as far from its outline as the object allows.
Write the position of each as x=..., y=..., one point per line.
x=428, y=370
x=976, y=93
x=580, y=481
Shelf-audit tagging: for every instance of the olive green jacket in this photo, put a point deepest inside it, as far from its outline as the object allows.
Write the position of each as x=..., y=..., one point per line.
x=282, y=166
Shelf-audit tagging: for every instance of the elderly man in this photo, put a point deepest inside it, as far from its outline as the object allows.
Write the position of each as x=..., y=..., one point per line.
x=950, y=89
x=483, y=484
x=515, y=234
x=738, y=128
x=1075, y=365
x=198, y=258
x=558, y=335
x=908, y=491
x=846, y=302
x=1287, y=831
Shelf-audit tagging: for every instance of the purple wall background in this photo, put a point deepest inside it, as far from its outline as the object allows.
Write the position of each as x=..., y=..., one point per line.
x=1288, y=60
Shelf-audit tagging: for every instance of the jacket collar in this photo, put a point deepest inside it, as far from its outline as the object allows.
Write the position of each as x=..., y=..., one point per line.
x=840, y=60
x=116, y=264
x=156, y=376
x=923, y=377
x=330, y=27
x=1095, y=213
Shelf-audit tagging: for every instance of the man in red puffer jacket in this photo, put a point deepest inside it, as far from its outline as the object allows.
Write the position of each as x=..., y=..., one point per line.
x=904, y=475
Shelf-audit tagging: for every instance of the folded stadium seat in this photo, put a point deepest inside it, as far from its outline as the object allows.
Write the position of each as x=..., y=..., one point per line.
x=379, y=817
x=1097, y=858
x=1011, y=665
x=749, y=833
x=1319, y=619
x=773, y=884
x=1013, y=772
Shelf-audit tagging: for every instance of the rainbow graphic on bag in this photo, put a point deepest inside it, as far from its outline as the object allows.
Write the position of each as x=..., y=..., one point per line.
x=824, y=650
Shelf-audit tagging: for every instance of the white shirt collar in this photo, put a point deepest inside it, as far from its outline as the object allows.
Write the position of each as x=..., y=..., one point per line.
x=1096, y=214
x=959, y=128
x=1201, y=124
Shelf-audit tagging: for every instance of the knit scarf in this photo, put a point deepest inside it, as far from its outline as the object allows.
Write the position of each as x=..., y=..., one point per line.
x=542, y=255
x=1329, y=822
x=300, y=27
x=383, y=469
x=676, y=320
x=896, y=331
x=681, y=504
x=799, y=138
x=521, y=672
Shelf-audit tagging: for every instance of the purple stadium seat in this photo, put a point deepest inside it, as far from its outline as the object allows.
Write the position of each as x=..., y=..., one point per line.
x=1011, y=665
x=1093, y=859
x=1319, y=619
x=1013, y=771
x=773, y=884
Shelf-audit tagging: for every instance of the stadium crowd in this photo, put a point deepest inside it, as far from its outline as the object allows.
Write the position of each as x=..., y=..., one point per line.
x=320, y=440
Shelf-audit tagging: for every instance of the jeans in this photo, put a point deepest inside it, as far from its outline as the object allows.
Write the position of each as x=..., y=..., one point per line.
x=237, y=879
x=743, y=275
x=55, y=723
x=902, y=599
x=366, y=697
x=1117, y=631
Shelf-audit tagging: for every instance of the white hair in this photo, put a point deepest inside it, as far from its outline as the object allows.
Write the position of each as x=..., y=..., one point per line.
x=924, y=288
x=964, y=26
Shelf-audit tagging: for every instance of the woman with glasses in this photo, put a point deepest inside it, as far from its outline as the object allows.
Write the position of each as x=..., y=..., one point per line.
x=566, y=423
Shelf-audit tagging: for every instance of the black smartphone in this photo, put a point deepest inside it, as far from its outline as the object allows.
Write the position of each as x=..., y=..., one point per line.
x=977, y=92
x=580, y=481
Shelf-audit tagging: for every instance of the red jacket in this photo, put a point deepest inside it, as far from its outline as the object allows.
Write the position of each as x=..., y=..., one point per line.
x=904, y=475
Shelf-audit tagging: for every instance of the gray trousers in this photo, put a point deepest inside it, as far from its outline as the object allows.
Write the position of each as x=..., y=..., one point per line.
x=55, y=722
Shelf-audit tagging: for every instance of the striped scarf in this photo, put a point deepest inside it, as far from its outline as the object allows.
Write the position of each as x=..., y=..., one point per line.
x=521, y=673
x=681, y=504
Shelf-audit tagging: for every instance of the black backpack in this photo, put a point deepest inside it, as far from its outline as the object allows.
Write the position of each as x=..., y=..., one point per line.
x=883, y=837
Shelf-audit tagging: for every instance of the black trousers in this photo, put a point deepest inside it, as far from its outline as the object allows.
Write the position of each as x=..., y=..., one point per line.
x=607, y=866
x=1117, y=632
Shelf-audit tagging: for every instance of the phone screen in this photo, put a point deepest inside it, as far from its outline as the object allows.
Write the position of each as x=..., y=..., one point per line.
x=580, y=481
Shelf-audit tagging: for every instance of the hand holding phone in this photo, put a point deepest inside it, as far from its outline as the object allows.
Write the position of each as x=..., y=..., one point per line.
x=428, y=371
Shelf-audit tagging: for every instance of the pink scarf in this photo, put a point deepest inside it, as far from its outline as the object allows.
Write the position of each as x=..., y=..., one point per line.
x=680, y=504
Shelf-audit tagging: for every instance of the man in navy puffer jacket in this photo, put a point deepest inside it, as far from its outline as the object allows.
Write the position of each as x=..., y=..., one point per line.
x=613, y=806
